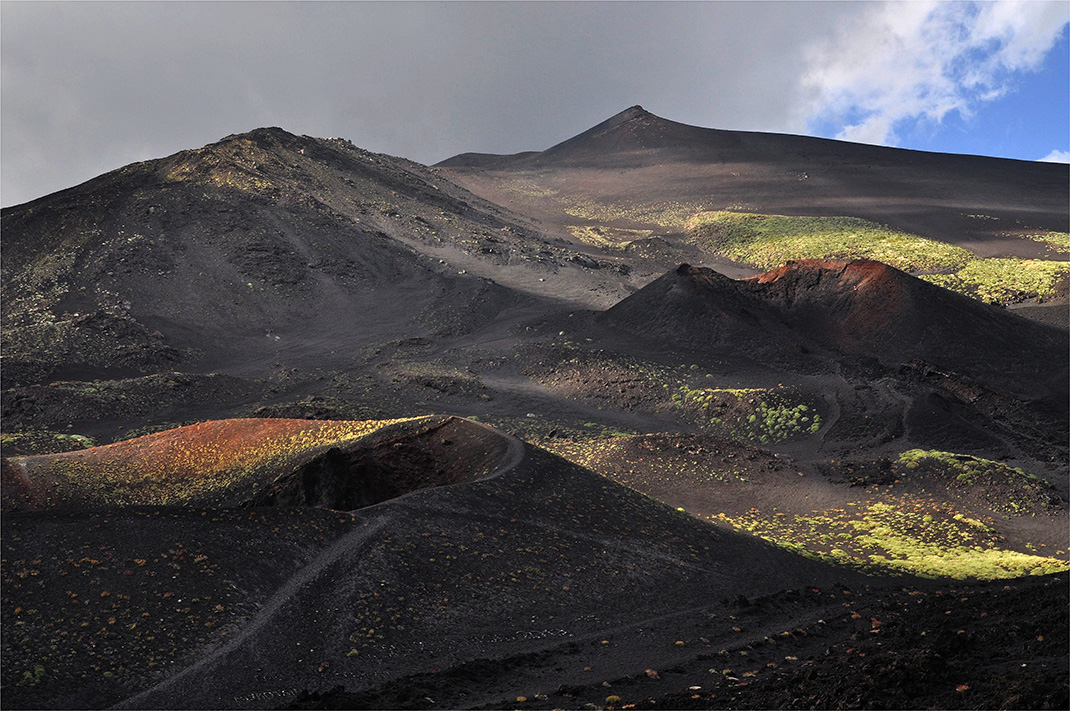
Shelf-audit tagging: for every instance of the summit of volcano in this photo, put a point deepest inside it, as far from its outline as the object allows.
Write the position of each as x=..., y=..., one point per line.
x=638, y=171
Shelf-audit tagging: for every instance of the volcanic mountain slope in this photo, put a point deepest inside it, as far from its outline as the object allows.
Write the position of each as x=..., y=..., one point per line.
x=639, y=172
x=534, y=559
x=256, y=249
x=266, y=266
x=229, y=463
x=851, y=308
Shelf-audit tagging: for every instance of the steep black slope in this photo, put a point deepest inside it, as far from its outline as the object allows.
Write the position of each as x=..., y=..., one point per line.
x=868, y=308
x=962, y=375
x=857, y=308
x=258, y=247
x=695, y=308
x=540, y=557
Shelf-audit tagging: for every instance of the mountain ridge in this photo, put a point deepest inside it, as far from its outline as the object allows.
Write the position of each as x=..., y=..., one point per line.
x=637, y=171
x=655, y=125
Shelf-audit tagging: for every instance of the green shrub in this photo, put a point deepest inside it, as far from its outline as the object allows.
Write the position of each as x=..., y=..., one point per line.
x=1004, y=280
x=761, y=415
x=1059, y=241
x=768, y=241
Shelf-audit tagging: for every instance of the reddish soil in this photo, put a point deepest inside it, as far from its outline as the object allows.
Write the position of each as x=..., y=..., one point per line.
x=257, y=462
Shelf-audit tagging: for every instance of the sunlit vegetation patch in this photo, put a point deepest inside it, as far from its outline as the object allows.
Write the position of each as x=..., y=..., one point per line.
x=1059, y=241
x=667, y=214
x=971, y=469
x=905, y=534
x=1002, y=488
x=935, y=514
x=607, y=237
x=204, y=463
x=902, y=533
x=42, y=442
x=760, y=415
x=768, y=241
x=1005, y=280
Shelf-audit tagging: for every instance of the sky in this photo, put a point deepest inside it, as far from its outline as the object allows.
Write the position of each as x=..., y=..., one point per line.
x=89, y=87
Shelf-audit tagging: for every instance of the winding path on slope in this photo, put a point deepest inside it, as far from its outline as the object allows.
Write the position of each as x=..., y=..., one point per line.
x=163, y=695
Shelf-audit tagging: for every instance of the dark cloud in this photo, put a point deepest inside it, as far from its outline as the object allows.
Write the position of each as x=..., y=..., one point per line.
x=88, y=87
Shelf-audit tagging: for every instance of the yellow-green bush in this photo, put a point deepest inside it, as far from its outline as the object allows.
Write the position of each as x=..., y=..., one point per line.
x=1004, y=280
x=768, y=241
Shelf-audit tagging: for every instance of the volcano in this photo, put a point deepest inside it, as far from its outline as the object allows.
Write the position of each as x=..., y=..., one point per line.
x=853, y=308
x=292, y=424
x=645, y=172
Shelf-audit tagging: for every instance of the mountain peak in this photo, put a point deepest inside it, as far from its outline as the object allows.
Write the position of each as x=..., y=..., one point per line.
x=630, y=113
x=264, y=137
x=631, y=130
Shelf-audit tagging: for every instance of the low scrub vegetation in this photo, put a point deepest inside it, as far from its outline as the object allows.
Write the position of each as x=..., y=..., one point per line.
x=768, y=241
x=1005, y=280
x=912, y=534
x=42, y=442
x=999, y=487
x=760, y=415
x=933, y=513
x=1059, y=241
x=665, y=214
x=607, y=237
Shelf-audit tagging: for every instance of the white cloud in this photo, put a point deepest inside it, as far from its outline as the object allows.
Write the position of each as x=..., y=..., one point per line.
x=908, y=61
x=1056, y=156
x=874, y=129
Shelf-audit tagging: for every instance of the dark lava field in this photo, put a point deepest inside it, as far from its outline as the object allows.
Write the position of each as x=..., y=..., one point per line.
x=661, y=417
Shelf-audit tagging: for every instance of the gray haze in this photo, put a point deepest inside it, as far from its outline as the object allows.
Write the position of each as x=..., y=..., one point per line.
x=88, y=87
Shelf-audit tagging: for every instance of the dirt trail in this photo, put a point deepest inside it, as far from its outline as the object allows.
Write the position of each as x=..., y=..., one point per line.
x=625, y=546
x=181, y=684
x=537, y=398
x=163, y=694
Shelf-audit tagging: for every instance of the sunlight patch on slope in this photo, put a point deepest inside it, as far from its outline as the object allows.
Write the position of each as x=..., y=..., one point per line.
x=768, y=241
x=1004, y=280
x=202, y=462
